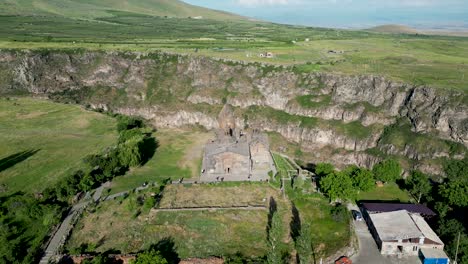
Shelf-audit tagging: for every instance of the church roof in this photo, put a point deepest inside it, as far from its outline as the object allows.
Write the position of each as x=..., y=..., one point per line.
x=238, y=148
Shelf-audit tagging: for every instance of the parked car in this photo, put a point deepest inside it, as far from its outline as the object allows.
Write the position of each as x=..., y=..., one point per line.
x=344, y=260
x=357, y=215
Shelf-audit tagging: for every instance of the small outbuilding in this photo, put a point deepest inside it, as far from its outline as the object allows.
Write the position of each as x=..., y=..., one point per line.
x=433, y=256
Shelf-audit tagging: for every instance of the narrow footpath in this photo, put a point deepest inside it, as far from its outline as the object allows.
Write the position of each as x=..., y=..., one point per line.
x=60, y=237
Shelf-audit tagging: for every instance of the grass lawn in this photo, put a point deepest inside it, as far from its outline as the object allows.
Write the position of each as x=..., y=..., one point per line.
x=282, y=165
x=42, y=141
x=223, y=195
x=389, y=192
x=116, y=224
x=328, y=235
x=179, y=156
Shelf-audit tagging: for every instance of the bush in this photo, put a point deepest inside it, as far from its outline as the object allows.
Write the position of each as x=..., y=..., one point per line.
x=127, y=123
x=387, y=170
x=323, y=169
x=339, y=213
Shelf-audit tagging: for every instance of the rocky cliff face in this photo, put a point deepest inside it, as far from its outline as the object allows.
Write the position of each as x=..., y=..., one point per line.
x=315, y=110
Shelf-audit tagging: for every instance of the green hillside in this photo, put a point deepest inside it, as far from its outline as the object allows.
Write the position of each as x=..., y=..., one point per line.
x=170, y=25
x=90, y=9
x=42, y=142
x=398, y=29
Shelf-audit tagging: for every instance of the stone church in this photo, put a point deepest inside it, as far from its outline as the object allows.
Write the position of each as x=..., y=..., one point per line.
x=236, y=155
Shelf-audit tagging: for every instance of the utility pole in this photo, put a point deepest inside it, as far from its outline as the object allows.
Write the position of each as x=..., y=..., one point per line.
x=456, y=251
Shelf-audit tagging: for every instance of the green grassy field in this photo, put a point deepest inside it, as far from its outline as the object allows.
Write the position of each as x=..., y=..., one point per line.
x=179, y=156
x=42, y=141
x=282, y=165
x=389, y=192
x=117, y=225
x=328, y=234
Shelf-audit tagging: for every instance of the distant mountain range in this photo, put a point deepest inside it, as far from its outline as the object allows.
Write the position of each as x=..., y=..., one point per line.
x=401, y=29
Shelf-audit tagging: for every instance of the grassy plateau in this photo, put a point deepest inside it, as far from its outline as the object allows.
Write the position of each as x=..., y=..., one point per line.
x=178, y=156
x=439, y=61
x=42, y=141
x=126, y=226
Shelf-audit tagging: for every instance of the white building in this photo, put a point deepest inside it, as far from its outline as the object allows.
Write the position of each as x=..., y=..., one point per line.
x=402, y=233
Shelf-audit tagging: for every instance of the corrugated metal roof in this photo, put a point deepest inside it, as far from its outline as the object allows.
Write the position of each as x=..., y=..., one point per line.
x=391, y=207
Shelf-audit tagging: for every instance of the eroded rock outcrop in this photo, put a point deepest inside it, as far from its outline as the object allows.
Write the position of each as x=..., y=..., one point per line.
x=174, y=90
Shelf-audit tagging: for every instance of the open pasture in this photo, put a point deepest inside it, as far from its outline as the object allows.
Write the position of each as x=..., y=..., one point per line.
x=42, y=141
x=179, y=155
x=127, y=225
x=439, y=61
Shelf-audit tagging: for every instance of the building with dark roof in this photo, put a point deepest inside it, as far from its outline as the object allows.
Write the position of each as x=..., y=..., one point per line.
x=420, y=209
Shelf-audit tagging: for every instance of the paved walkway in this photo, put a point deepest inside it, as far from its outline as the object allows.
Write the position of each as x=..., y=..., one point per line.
x=62, y=233
x=60, y=237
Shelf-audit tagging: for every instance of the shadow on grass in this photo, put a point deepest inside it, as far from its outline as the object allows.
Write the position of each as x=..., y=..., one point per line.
x=167, y=249
x=150, y=145
x=14, y=159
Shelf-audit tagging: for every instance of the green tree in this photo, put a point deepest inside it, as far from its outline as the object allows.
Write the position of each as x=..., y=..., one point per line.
x=304, y=244
x=387, y=170
x=455, y=192
x=127, y=123
x=418, y=185
x=363, y=179
x=275, y=234
x=456, y=169
x=126, y=135
x=150, y=257
x=130, y=152
x=338, y=185
x=86, y=182
x=323, y=169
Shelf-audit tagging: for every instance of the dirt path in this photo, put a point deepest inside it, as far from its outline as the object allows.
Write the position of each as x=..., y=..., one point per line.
x=209, y=208
x=60, y=237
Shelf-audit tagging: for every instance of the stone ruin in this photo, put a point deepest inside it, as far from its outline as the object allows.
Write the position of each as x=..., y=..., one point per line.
x=235, y=154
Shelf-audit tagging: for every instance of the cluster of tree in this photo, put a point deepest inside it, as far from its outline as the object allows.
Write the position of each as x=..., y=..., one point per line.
x=346, y=184
x=24, y=223
x=135, y=146
x=26, y=219
x=450, y=199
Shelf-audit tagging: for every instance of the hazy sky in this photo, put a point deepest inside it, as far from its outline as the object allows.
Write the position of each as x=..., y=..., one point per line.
x=432, y=14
